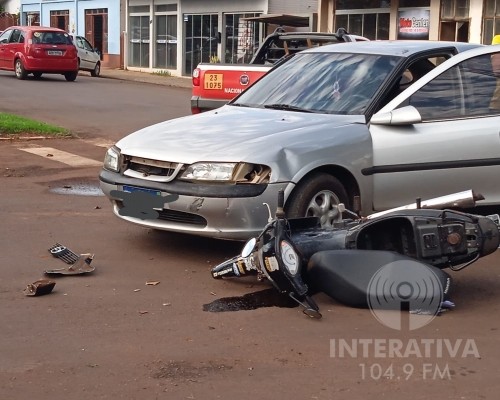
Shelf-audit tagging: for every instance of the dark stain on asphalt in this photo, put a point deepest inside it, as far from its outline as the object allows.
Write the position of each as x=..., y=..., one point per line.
x=251, y=301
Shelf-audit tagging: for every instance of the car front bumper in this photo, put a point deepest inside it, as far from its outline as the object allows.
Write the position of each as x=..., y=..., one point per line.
x=238, y=215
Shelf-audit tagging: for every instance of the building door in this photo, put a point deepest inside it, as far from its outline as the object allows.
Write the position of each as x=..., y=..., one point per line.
x=60, y=19
x=166, y=42
x=96, y=29
x=139, y=41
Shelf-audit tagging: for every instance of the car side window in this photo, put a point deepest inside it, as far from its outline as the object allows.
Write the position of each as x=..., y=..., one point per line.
x=4, y=37
x=462, y=91
x=86, y=45
x=14, y=38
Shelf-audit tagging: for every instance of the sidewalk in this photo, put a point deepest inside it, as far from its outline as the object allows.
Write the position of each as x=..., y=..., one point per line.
x=146, y=77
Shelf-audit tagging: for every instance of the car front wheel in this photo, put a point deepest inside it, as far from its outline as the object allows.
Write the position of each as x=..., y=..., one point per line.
x=71, y=76
x=97, y=70
x=19, y=70
x=318, y=196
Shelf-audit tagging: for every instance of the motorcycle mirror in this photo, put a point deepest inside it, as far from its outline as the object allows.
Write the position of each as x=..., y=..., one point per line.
x=248, y=247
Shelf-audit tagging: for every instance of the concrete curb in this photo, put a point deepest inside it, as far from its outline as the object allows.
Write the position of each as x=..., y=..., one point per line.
x=146, y=77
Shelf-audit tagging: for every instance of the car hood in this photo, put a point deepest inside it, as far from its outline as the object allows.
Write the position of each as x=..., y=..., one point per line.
x=232, y=134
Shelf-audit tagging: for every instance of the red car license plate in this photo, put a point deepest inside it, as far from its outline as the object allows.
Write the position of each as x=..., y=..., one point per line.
x=54, y=52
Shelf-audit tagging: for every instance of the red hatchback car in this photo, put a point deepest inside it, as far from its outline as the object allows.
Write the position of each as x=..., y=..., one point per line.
x=37, y=50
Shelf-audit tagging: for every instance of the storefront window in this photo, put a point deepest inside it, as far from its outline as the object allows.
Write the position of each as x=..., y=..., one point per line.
x=241, y=38
x=361, y=4
x=139, y=41
x=454, y=9
x=201, y=40
x=368, y=18
x=454, y=24
x=414, y=3
x=166, y=41
x=32, y=18
x=491, y=21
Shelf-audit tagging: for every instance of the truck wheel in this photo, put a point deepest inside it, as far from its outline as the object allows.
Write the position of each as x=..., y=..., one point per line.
x=318, y=196
x=19, y=70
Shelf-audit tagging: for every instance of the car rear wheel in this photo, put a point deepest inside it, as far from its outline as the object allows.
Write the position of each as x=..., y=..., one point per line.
x=71, y=76
x=318, y=196
x=37, y=75
x=97, y=70
x=19, y=70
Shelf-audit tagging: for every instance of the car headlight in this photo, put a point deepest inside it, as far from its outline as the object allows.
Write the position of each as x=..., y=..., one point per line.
x=112, y=159
x=226, y=172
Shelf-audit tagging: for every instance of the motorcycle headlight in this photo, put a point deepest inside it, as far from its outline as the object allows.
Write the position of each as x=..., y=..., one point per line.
x=226, y=172
x=112, y=159
x=290, y=257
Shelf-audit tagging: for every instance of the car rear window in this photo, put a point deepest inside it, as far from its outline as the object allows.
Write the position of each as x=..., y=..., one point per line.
x=50, y=37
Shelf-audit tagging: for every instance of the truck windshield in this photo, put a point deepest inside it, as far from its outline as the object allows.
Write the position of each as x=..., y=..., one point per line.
x=334, y=83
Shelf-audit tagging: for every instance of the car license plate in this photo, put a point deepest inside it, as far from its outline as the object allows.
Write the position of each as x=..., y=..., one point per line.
x=54, y=52
x=213, y=81
x=130, y=189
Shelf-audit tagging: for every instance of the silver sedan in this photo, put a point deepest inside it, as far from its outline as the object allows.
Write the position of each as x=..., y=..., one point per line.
x=372, y=125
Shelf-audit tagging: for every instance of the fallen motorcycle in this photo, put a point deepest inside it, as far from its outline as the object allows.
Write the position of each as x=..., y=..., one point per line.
x=362, y=262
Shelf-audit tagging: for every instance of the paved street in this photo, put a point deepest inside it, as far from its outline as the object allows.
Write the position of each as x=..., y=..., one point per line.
x=111, y=335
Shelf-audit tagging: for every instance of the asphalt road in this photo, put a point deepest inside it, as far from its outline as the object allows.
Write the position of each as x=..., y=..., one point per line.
x=110, y=335
x=93, y=107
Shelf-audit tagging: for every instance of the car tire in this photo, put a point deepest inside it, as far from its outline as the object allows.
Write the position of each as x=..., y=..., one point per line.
x=71, y=76
x=97, y=70
x=318, y=196
x=37, y=75
x=19, y=70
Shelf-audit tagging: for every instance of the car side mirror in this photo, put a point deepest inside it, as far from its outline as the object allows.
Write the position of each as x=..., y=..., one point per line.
x=408, y=115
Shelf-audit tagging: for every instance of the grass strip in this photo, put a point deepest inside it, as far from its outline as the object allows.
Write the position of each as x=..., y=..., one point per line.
x=15, y=126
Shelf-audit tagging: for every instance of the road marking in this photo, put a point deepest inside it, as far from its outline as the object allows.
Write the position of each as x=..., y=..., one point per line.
x=62, y=157
x=99, y=142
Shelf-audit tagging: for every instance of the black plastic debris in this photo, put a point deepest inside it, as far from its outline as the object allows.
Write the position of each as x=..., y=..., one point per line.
x=39, y=288
x=78, y=263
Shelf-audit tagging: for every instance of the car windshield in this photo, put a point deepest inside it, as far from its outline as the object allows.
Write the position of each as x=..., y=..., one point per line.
x=334, y=83
x=49, y=37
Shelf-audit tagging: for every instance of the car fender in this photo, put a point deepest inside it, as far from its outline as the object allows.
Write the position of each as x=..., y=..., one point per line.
x=20, y=55
x=359, y=147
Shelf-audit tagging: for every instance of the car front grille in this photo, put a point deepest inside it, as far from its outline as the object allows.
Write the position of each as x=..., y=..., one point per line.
x=182, y=217
x=178, y=217
x=163, y=171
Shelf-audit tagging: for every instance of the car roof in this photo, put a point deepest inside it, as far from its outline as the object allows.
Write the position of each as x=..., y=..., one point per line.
x=400, y=48
x=37, y=28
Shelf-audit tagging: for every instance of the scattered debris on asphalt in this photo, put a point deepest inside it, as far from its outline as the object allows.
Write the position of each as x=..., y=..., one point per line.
x=39, y=288
x=152, y=283
x=78, y=264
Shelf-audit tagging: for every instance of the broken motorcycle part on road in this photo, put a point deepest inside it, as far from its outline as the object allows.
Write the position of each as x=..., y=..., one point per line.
x=78, y=264
x=39, y=288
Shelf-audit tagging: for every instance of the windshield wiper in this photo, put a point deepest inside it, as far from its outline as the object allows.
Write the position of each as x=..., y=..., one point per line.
x=240, y=105
x=287, y=107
